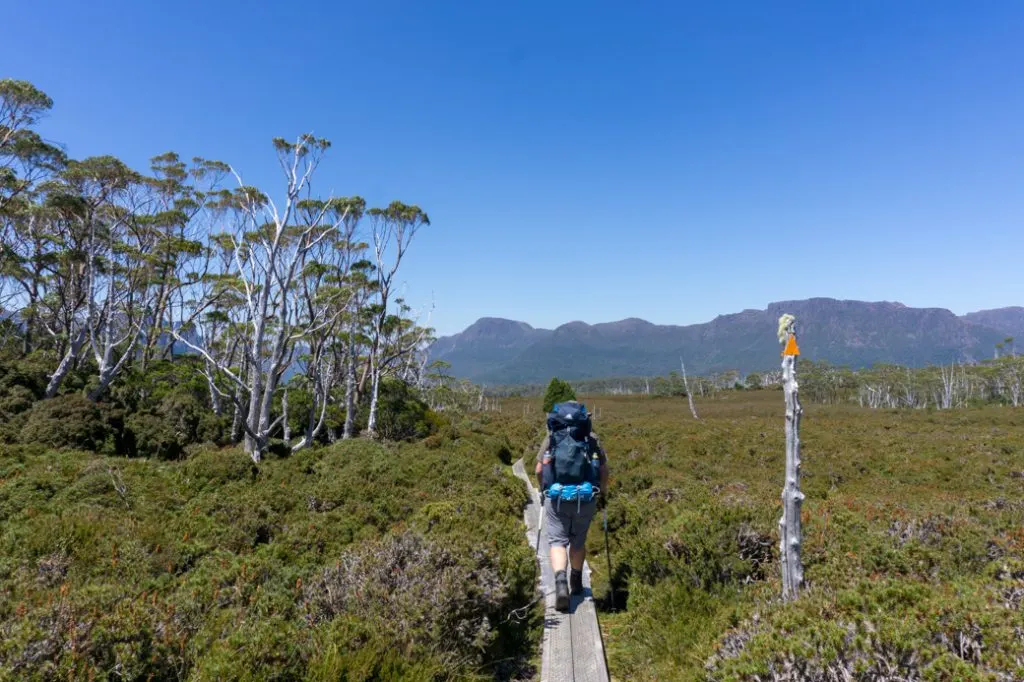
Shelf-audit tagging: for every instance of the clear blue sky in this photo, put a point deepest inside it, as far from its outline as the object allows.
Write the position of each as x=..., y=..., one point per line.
x=592, y=160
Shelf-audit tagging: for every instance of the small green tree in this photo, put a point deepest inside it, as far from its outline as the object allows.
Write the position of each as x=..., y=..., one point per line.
x=558, y=391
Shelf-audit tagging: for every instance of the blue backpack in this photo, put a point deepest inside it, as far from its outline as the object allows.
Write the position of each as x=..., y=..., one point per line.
x=573, y=452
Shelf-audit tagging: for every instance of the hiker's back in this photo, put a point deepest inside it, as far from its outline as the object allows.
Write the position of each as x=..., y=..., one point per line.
x=572, y=451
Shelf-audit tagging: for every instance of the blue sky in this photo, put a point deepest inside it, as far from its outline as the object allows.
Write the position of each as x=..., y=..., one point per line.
x=592, y=160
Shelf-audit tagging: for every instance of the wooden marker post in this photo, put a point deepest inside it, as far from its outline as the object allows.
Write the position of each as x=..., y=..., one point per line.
x=792, y=498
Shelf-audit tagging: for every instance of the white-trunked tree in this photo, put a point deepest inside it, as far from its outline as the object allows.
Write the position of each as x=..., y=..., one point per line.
x=393, y=230
x=269, y=251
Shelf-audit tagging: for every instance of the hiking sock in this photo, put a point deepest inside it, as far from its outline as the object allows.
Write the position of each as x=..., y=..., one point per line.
x=561, y=592
x=575, y=581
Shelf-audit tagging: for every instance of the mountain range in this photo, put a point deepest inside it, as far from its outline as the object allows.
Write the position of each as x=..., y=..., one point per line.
x=854, y=333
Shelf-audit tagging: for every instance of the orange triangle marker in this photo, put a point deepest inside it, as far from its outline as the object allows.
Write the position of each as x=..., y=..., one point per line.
x=791, y=347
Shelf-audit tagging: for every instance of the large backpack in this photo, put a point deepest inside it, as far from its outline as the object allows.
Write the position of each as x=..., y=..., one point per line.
x=571, y=446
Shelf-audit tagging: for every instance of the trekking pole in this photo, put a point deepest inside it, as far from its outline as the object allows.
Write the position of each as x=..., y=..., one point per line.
x=608, y=554
x=540, y=525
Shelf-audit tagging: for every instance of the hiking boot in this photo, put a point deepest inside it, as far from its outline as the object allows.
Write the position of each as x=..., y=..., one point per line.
x=561, y=592
x=575, y=582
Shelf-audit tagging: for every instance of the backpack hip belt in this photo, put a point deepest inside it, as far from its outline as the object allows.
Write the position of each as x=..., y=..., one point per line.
x=584, y=492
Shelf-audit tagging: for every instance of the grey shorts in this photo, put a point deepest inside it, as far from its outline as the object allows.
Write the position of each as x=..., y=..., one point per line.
x=567, y=522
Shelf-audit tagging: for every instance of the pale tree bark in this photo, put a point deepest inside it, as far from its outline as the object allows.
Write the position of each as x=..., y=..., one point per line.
x=327, y=294
x=267, y=252
x=948, y=387
x=215, y=399
x=93, y=286
x=118, y=283
x=284, y=417
x=67, y=363
x=238, y=415
x=350, y=385
x=112, y=330
x=686, y=387
x=792, y=499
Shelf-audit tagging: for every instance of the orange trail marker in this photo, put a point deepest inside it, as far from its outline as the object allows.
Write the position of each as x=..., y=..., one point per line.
x=791, y=347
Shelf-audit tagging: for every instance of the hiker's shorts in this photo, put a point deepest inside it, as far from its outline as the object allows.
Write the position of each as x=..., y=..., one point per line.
x=567, y=522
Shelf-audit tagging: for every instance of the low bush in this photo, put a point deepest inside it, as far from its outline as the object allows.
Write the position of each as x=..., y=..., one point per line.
x=214, y=467
x=358, y=561
x=179, y=420
x=427, y=600
x=68, y=421
x=911, y=547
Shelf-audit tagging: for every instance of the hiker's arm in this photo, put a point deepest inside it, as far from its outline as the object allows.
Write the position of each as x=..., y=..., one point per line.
x=539, y=470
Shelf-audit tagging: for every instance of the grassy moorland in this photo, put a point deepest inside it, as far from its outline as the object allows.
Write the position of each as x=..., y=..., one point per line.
x=401, y=561
x=357, y=561
x=913, y=544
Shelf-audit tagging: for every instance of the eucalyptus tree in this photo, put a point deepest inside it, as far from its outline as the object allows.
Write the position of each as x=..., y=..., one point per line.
x=116, y=247
x=25, y=158
x=179, y=233
x=27, y=256
x=26, y=162
x=325, y=294
x=361, y=286
x=92, y=292
x=267, y=247
x=393, y=229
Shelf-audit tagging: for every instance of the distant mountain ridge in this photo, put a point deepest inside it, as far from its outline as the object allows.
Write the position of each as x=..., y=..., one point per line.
x=1010, y=321
x=855, y=333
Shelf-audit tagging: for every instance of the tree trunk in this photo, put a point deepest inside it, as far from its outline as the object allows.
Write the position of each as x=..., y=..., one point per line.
x=371, y=423
x=215, y=401
x=253, y=444
x=350, y=388
x=686, y=387
x=792, y=498
x=284, y=418
x=236, y=420
x=105, y=377
x=69, y=361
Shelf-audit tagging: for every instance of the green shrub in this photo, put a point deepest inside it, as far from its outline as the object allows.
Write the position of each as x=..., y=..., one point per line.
x=22, y=383
x=418, y=594
x=401, y=414
x=179, y=420
x=15, y=400
x=68, y=421
x=31, y=373
x=911, y=543
x=212, y=568
x=209, y=467
x=557, y=391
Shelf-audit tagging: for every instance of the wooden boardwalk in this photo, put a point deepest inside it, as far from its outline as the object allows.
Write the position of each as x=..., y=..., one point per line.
x=573, y=650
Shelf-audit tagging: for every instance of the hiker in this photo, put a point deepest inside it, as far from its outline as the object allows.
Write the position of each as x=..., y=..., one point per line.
x=572, y=472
